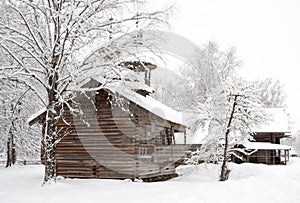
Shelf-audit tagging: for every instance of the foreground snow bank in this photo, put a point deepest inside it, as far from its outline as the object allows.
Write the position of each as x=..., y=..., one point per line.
x=248, y=182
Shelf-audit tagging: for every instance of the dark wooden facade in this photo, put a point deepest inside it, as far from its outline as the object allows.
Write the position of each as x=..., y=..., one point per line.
x=270, y=156
x=116, y=140
x=276, y=155
x=271, y=137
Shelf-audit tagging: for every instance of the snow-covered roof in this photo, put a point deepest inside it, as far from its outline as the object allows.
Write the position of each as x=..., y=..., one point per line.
x=137, y=86
x=126, y=78
x=147, y=102
x=37, y=114
x=124, y=88
x=278, y=121
x=265, y=146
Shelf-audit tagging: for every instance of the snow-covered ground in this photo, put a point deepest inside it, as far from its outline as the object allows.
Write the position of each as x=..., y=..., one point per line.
x=247, y=183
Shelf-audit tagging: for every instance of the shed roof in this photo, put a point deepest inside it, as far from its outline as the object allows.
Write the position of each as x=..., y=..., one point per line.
x=278, y=121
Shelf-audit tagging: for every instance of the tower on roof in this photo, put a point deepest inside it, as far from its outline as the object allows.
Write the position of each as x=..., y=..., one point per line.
x=143, y=68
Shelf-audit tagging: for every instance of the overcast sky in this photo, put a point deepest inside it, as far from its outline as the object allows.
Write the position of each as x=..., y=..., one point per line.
x=266, y=34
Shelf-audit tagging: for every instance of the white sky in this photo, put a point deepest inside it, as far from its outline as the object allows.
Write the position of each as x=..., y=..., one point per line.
x=266, y=34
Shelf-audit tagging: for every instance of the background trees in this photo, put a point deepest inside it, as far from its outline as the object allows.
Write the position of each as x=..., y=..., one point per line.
x=17, y=139
x=227, y=105
x=272, y=93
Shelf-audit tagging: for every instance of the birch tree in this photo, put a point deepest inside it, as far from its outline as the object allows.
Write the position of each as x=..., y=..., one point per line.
x=232, y=113
x=227, y=104
x=49, y=39
x=210, y=67
x=244, y=113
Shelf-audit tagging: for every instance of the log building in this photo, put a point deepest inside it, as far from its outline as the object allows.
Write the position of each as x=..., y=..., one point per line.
x=122, y=131
x=266, y=147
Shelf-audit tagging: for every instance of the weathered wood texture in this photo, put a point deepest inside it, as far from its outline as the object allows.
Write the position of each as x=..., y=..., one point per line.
x=116, y=141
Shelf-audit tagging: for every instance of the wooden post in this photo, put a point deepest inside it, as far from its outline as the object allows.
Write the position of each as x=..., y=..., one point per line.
x=184, y=134
x=172, y=155
x=172, y=135
x=266, y=154
x=285, y=157
x=185, y=147
x=135, y=168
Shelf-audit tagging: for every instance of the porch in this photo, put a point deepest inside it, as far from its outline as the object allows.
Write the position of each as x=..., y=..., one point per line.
x=262, y=152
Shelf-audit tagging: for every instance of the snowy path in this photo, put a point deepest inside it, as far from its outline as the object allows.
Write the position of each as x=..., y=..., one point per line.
x=248, y=183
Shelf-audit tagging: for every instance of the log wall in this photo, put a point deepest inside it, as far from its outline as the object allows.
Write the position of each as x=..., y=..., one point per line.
x=115, y=141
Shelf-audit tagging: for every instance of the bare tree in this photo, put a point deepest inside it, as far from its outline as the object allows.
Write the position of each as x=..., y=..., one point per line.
x=48, y=41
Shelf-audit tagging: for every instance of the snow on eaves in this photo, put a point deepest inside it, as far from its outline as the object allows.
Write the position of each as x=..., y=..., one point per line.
x=125, y=89
x=37, y=114
x=265, y=146
x=148, y=103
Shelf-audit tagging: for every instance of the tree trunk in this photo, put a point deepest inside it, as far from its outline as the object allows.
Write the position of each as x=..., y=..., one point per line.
x=50, y=164
x=53, y=108
x=50, y=137
x=49, y=150
x=224, y=170
x=11, y=149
